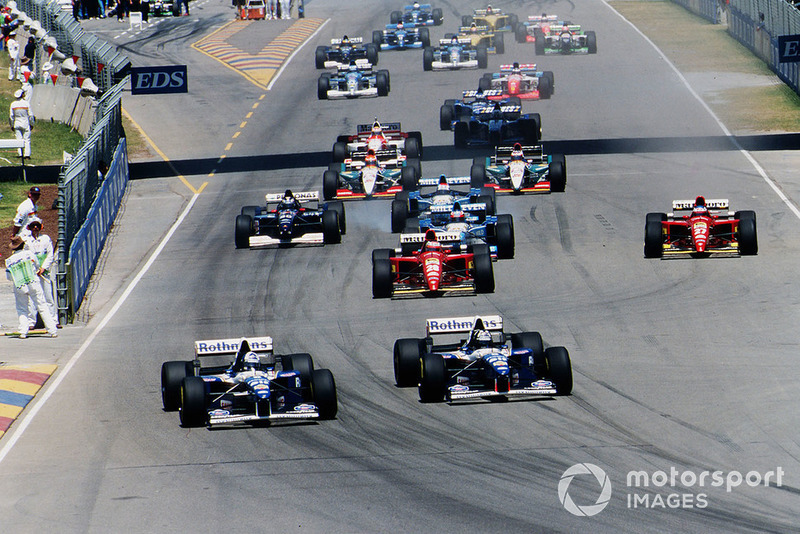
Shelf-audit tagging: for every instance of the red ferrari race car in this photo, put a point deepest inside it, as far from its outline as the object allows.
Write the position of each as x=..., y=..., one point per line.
x=425, y=265
x=522, y=81
x=709, y=229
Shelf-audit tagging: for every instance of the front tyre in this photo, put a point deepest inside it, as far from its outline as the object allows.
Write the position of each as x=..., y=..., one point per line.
x=407, y=355
x=483, y=271
x=433, y=380
x=382, y=278
x=172, y=375
x=243, y=230
x=331, y=233
x=193, y=408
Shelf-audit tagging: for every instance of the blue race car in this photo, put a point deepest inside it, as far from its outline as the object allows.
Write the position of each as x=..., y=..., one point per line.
x=408, y=205
x=243, y=381
x=496, y=125
x=290, y=219
x=473, y=102
x=487, y=363
x=401, y=36
x=418, y=14
x=343, y=51
x=353, y=81
x=455, y=53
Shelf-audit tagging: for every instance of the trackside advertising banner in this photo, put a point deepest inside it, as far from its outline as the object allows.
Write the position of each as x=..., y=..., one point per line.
x=158, y=80
x=90, y=239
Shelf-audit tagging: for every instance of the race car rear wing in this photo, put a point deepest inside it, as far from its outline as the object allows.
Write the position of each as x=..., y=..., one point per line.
x=303, y=196
x=468, y=207
x=441, y=237
x=422, y=7
x=540, y=18
x=508, y=108
x=461, y=41
x=386, y=127
x=526, y=68
x=712, y=204
x=462, y=30
x=473, y=93
x=460, y=325
x=217, y=347
x=451, y=180
x=353, y=40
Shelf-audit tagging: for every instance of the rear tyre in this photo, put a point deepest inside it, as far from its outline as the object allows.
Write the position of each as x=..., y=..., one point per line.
x=427, y=59
x=483, y=57
x=539, y=41
x=545, y=89
x=529, y=340
x=377, y=38
x=484, y=84
x=330, y=184
x=408, y=179
x=399, y=215
x=330, y=227
x=415, y=164
x=505, y=241
x=499, y=44
x=477, y=176
x=243, y=231
x=172, y=375
x=382, y=83
x=372, y=53
x=302, y=363
x=418, y=136
x=424, y=37
x=338, y=207
x=323, y=387
x=412, y=148
x=521, y=33
x=653, y=235
x=466, y=20
x=407, y=355
x=193, y=410
x=250, y=210
x=320, y=56
x=432, y=382
x=323, y=85
x=484, y=273
x=461, y=135
x=591, y=42
x=382, y=279
x=382, y=254
x=489, y=201
x=747, y=234
x=558, y=176
x=339, y=152
x=446, y=113
x=395, y=16
x=438, y=16
x=559, y=369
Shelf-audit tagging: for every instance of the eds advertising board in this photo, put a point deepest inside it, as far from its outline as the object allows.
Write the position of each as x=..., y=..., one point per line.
x=159, y=80
x=788, y=48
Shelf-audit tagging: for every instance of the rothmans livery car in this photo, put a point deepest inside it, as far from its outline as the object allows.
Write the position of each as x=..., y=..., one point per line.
x=520, y=169
x=522, y=81
x=486, y=363
x=342, y=52
x=418, y=15
x=707, y=229
x=455, y=53
x=353, y=81
x=567, y=39
x=401, y=36
x=290, y=219
x=242, y=381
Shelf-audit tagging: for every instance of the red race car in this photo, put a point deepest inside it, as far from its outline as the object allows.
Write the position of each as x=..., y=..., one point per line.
x=427, y=265
x=708, y=229
x=522, y=81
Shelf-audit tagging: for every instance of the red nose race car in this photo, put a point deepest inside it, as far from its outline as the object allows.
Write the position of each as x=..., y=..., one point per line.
x=707, y=229
x=426, y=264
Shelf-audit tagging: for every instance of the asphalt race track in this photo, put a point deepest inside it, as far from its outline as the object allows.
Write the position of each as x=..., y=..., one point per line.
x=680, y=366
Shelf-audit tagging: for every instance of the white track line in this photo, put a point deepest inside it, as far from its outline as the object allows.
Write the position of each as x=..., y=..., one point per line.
x=289, y=59
x=759, y=169
x=18, y=428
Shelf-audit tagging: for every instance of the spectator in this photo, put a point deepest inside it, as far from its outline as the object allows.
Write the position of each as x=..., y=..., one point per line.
x=13, y=57
x=21, y=119
x=28, y=54
x=42, y=247
x=184, y=3
x=285, y=9
x=145, y=10
x=26, y=211
x=76, y=9
x=123, y=8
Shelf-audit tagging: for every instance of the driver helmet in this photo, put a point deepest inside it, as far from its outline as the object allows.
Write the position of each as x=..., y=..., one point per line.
x=454, y=39
x=345, y=41
x=516, y=153
x=443, y=185
x=288, y=197
x=371, y=158
x=473, y=28
x=489, y=9
x=399, y=24
x=251, y=361
x=416, y=5
x=457, y=215
x=515, y=68
x=700, y=206
x=430, y=241
x=483, y=339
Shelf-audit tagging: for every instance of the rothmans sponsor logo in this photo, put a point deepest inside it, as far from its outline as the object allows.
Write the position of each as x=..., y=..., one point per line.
x=463, y=324
x=227, y=346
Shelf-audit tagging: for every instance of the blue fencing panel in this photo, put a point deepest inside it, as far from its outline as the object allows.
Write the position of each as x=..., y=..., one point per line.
x=90, y=239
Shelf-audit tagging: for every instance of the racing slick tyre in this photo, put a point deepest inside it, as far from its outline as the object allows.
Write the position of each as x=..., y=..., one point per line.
x=382, y=83
x=483, y=57
x=323, y=387
x=437, y=16
x=539, y=41
x=425, y=37
x=466, y=20
x=399, y=215
x=330, y=184
x=412, y=148
x=549, y=74
x=372, y=53
x=506, y=218
x=339, y=152
x=250, y=210
x=545, y=89
x=193, y=402
x=559, y=369
x=446, y=113
x=487, y=191
x=243, y=231
x=172, y=374
x=427, y=58
x=591, y=42
x=409, y=179
x=395, y=16
x=382, y=279
x=432, y=380
x=382, y=254
x=558, y=176
x=560, y=158
x=301, y=362
x=504, y=233
x=653, y=235
x=330, y=227
x=407, y=355
x=461, y=134
x=320, y=56
x=323, y=85
x=533, y=341
x=521, y=33
x=377, y=37
x=335, y=166
x=418, y=136
x=484, y=84
x=499, y=44
x=412, y=227
x=415, y=164
x=484, y=273
x=477, y=176
x=513, y=19
x=338, y=207
x=489, y=201
x=746, y=234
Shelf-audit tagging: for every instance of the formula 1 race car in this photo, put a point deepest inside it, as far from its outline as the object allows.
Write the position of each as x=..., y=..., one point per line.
x=455, y=53
x=243, y=381
x=567, y=39
x=473, y=102
x=290, y=219
x=344, y=51
x=470, y=222
x=378, y=136
x=418, y=15
x=524, y=31
x=520, y=169
x=482, y=36
x=709, y=229
x=496, y=125
x=353, y=81
x=401, y=36
x=482, y=365
x=407, y=206
x=522, y=81
x=164, y=8
x=492, y=18
x=371, y=173
x=432, y=269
